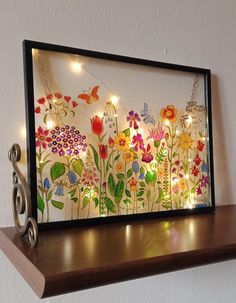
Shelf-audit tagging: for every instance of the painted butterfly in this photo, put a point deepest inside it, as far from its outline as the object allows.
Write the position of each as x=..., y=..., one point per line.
x=146, y=115
x=91, y=97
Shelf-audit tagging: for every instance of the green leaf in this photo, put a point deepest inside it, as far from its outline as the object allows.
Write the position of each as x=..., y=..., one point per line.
x=117, y=157
x=111, y=184
x=78, y=166
x=86, y=190
x=57, y=170
x=120, y=176
x=45, y=119
x=95, y=156
x=160, y=196
x=148, y=195
x=57, y=204
x=140, y=193
x=142, y=184
x=49, y=195
x=74, y=199
x=127, y=201
x=72, y=193
x=108, y=161
x=110, y=204
x=40, y=203
x=86, y=201
x=193, y=190
x=129, y=172
x=140, y=199
x=95, y=200
x=128, y=193
x=119, y=190
x=127, y=132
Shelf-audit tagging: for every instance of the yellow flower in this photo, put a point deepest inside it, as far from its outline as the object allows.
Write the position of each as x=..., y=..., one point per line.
x=128, y=156
x=122, y=142
x=160, y=172
x=182, y=184
x=120, y=167
x=185, y=141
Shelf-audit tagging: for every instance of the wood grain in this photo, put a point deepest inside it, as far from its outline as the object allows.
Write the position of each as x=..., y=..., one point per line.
x=73, y=259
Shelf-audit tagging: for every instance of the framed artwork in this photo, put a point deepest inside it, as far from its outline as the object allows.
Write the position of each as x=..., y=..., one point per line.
x=115, y=138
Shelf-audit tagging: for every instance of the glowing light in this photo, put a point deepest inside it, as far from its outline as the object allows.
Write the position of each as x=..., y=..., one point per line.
x=141, y=130
x=203, y=138
x=167, y=122
x=177, y=132
x=41, y=161
x=23, y=132
x=175, y=181
x=100, y=115
x=186, y=176
x=189, y=160
x=76, y=66
x=54, y=100
x=114, y=99
x=191, y=206
x=50, y=124
x=116, y=116
x=190, y=119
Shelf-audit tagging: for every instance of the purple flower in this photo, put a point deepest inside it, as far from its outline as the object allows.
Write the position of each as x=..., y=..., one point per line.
x=133, y=119
x=204, y=181
x=72, y=177
x=199, y=190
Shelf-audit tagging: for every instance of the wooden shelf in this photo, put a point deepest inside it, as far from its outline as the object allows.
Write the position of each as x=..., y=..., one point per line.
x=73, y=259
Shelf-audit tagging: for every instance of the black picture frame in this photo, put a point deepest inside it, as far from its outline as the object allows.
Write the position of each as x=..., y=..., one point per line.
x=28, y=46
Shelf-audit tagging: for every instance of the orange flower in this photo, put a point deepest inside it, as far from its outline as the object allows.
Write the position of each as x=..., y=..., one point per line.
x=168, y=113
x=133, y=184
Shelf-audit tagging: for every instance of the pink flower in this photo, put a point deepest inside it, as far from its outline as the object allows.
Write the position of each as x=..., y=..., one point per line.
x=199, y=190
x=147, y=156
x=138, y=142
x=157, y=133
x=133, y=119
x=89, y=177
x=175, y=189
x=42, y=138
x=204, y=181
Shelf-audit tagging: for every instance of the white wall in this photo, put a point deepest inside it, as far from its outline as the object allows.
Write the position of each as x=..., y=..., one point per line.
x=190, y=32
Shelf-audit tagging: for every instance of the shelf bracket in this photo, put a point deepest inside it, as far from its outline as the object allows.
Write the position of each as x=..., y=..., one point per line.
x=21, y=200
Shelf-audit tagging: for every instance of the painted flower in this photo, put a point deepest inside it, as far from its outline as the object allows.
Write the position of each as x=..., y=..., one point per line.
x=133, y=184
x=168, y=113
x=72, y=177
x=175, y=189
x=67, y=98
x=138, y=143
x=120, y=167
x=111, y=142
x=89, y=177
x=146, y=155
x=195, y=171
x=122, y=142
x=41, y=100
x=182, y=184
x=200, y=145
x=160, y=172
x=37, y=110
x=157, y=133
x=49, y=96
x=135, y=166
x=60, y=190
x=199, y=190
x=97, y=125
x=46, y=184
x=74, y=103
x=204, y=181
x=103, y=151
x=185, y=141
x=197, y=160
x=58, y=95
x=133, y=119
x=128, y=156
x=42, y=138
x=67, y=140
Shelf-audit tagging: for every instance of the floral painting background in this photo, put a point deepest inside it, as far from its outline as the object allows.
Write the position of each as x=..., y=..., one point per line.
x=115, y=138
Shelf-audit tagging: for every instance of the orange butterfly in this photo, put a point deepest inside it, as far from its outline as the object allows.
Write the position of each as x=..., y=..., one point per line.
x=90, y=97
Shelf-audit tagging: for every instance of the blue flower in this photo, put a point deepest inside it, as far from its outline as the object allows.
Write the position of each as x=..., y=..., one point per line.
x=46, y=184
x=142, y=176
x=60, y=190
x=135, y=166
x=72, y=177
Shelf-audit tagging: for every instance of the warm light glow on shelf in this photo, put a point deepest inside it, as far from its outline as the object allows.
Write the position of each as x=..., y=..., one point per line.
x=76, y=66
x=114, y=99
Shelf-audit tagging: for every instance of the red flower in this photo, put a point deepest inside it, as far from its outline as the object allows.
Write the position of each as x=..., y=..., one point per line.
x=147, y=156
x=111, y=142
x=103, y=151
x=37, y=110
x=41, y=100
x=195, y=171
x=67, y=98
x=42, y=138
x=49, y=96
x=58, y=95
x=197, y=160
x=97, y=125
x=74, y=104
x=200, y=145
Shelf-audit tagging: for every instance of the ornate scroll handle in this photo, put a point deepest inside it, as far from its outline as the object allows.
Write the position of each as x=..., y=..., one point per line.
x=21, y=199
